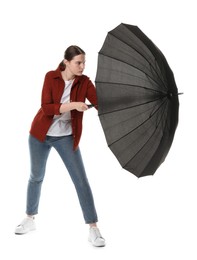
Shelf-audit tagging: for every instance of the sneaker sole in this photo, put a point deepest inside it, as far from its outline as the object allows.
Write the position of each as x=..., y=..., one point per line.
x=95, y=244
x=23, y=233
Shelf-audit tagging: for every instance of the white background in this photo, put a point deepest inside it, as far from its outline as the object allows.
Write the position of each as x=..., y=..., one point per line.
x=148, y=218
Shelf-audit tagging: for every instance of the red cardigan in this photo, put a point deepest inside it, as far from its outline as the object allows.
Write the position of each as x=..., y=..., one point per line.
x=52, y=91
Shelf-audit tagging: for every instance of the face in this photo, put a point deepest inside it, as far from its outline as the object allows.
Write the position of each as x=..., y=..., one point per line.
x=76, y=66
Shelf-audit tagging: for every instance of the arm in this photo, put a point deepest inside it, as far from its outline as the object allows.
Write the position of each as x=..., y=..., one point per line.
x=91, y=94
x=51, y=108
x=79, y=106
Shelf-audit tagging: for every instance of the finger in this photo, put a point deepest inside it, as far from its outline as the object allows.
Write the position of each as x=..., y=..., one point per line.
x=85, y=107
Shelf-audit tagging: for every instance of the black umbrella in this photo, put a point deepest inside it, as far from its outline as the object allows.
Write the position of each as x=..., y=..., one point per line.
x=137, y=100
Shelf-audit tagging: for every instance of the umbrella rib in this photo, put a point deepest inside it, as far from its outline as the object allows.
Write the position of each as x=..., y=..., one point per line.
x=140, y=55
x=133, y=67
x=132, y=85
x=146, y=141
x=151, y=115
x=151, y=109
x=117, y=110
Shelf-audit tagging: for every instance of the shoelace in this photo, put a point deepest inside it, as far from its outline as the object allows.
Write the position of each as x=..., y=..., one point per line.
x=97, y=233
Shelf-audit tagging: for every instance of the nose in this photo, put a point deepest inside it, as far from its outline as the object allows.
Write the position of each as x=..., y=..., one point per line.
x=82, y=65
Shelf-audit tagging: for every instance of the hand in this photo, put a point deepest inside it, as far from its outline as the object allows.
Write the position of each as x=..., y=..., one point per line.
x=80, y=106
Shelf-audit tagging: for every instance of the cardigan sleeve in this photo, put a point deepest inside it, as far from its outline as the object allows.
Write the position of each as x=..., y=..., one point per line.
x=91, y=94
x=48, y=106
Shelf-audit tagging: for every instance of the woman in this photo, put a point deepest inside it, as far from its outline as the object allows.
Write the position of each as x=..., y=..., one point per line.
x=58, y=124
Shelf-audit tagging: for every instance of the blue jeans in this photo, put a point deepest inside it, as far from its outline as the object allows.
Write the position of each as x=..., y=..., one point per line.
x=39, y=152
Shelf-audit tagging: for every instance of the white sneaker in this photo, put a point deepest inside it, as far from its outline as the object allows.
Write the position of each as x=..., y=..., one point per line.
x=95, y=237
x=26, y=225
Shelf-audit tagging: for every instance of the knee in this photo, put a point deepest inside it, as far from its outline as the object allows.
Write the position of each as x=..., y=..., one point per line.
x=36, y=178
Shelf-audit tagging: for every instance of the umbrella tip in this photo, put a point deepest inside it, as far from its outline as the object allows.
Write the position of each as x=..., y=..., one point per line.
x=170, y=94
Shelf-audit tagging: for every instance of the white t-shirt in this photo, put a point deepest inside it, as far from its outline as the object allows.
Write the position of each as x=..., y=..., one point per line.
x=61, y=125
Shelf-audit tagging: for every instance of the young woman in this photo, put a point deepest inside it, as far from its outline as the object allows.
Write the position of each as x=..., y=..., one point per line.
x=58, y=124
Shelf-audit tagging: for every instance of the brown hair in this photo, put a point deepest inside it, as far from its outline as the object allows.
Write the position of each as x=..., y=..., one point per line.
x=70, y=53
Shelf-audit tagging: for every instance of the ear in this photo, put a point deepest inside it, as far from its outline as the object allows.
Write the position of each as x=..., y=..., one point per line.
x=65, y=61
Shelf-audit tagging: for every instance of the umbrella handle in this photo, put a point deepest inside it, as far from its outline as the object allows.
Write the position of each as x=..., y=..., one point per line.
x=90, y=105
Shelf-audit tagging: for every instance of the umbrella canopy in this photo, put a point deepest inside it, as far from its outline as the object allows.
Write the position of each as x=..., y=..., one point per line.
x=137, y=100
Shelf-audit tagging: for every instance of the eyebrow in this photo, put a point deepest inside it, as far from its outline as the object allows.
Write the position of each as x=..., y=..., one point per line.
x=80, y=61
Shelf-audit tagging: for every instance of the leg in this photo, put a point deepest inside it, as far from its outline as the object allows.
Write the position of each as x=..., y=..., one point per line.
x=38, y=154
x=73, y=162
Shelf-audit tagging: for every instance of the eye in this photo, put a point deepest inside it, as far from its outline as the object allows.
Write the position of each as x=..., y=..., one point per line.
x=79, y=63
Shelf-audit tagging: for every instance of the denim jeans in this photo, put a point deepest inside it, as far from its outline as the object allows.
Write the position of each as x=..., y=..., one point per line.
x=39, y=152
